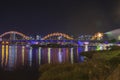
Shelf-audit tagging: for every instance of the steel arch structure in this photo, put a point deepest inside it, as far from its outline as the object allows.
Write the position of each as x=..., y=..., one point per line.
x=57, y=34
x=14, y=32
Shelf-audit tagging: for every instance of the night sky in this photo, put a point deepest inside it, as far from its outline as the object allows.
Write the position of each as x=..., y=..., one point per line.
x=68, y=16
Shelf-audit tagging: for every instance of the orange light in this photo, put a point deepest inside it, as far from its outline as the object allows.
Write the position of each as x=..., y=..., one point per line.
x=99, y=35
x=2, y=42
x=7, y=42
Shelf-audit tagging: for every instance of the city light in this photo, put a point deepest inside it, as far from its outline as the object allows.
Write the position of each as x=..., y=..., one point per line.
x=97, y=36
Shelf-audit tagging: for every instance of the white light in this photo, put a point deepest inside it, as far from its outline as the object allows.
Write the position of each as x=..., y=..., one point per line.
x=86, y=43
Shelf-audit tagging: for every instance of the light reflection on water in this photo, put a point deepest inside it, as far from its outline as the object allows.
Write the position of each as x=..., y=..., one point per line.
x=13, y=56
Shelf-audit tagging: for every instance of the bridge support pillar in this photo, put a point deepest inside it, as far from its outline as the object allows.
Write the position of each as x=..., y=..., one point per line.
x=30, y=57
x=60, y=55
x=86, y=46
x=49, y=55
x=71, y=55
x=23, y=53
x=39, y=55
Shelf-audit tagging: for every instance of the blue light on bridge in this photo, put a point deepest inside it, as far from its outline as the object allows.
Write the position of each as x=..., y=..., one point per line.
x=80, y=43
x=34, y=42
x=106, y=42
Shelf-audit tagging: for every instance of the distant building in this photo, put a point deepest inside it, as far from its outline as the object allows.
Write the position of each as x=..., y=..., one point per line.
x=114, y=34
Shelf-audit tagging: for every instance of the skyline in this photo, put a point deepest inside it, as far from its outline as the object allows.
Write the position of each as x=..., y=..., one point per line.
x=66, y=16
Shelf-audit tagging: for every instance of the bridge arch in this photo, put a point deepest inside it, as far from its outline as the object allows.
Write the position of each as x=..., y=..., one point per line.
x=57, y=34
x=14, y=32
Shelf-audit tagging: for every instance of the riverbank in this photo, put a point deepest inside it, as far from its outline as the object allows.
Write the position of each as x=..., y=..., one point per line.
x=98, y=65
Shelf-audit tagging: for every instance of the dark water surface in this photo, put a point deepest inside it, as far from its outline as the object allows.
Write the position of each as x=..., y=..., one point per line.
x=14, y=57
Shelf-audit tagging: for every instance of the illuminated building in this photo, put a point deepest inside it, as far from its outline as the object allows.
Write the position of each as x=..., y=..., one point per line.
x=114, y=34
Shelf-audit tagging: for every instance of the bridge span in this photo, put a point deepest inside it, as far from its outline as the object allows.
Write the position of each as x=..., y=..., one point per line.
x=56, y=39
